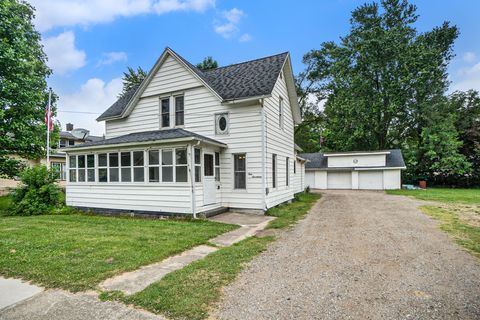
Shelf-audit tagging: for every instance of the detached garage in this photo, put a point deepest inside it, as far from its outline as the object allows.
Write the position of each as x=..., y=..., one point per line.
x=367, y=170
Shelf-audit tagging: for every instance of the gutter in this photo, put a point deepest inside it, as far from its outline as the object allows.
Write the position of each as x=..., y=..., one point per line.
x=234, y=101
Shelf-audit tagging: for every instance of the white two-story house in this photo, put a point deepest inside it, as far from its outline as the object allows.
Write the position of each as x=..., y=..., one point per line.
x=194, y=142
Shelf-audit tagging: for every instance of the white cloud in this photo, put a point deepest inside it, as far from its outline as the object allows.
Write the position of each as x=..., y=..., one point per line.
x=111, y=57
x=66, y=13
x=229, y=26
x=62, y=54
x=94, y=96
x=469, y=57
x=245, y=37
x=467, y=78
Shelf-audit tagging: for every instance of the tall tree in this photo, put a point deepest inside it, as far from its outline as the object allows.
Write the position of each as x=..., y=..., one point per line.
x=132, y=78
x=208, y=63
x=23, y=87
x=385, y=84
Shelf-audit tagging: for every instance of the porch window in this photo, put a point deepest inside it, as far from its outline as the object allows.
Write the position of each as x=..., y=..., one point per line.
x=153, y=166
x=167, y=165
x=274, y=170
x=102, y=167
x=179, y=111
x=165, y=112
x=126, y=169
x=81, y=168
x=181, y=174
x=198, y=164
x=113, y=167
x=240, y=174
x=91, y=168
x=217, y=166
x=72, y=169
x=138, y=168
x=287, y=170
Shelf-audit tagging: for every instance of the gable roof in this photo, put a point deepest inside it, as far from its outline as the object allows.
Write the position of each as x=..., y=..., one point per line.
x=250, y=79
x=148, y=136
x=318, y=160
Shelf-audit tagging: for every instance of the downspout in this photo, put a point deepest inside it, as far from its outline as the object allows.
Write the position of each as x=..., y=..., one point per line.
x=264, y=154
x=192, y=180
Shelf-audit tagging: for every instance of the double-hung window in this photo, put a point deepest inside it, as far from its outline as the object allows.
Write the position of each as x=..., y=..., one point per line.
x=81, y=168
x=198, y=164
x=72, y=169
x=165, y=112
x=274, y=170
x=167, y=165
x=102, y=167
x=179, y=110
x=153, y=166
x=113, y=167
x=181, y=172
x=287, y=173
x=240, y=173
x=138, y=168
x=217, y=166
x=91, y=168
x=126, y=166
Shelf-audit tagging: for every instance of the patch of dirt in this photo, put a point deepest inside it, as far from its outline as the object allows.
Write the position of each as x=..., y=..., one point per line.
x=468, y=213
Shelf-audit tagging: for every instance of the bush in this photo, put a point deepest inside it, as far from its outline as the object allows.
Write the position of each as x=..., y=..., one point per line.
x=38, y=194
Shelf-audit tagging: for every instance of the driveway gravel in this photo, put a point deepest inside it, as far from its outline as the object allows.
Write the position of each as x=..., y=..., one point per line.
x=358, y=255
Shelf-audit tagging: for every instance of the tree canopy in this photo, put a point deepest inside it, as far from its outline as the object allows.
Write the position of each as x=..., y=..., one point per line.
x=23, y=87
x=132, y=78
x=208, y=63
x=384, y=86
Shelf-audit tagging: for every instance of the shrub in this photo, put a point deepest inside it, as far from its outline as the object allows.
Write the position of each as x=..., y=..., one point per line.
x=38, y=194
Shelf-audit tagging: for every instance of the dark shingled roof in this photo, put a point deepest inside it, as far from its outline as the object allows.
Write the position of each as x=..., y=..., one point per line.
x=319, y=161
x=69, y=135
x=237, y=81
x=146, y=136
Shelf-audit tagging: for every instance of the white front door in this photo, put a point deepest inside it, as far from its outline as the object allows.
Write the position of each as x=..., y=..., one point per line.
x=209, y=185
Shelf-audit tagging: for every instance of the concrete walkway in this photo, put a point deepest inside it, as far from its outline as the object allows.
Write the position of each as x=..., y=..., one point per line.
x=136, y=281
x=13, y=291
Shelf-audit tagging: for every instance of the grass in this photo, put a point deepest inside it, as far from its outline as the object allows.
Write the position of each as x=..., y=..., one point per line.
x=467, y=196
x=288, y=214
x=189, y=293
x=463, y=233
x=5, y=203
x=76, y=252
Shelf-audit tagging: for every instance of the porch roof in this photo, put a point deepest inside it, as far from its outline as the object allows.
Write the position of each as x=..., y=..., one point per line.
x=145, y=137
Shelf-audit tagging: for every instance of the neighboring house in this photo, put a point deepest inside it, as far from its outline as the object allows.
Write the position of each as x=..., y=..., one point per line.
x=188, y=141
x=70, y=137
x=371, y=170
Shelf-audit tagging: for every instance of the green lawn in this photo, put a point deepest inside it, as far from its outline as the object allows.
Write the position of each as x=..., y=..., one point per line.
x=288, y=214
x=5, y=203
x=76, y=252
x=469, y=196
x=189, y=293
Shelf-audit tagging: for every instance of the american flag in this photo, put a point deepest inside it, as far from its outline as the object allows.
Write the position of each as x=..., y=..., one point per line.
x=48, y=118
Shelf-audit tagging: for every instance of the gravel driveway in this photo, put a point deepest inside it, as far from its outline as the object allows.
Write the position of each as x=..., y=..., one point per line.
x=359, y=255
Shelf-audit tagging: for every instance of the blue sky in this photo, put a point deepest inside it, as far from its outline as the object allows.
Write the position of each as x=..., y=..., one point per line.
x=91, y=42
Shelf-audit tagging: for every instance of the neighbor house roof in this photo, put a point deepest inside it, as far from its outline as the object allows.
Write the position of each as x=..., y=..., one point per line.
x=147, y=136
x=318, y=160
x=244, y=80
x=69, y=135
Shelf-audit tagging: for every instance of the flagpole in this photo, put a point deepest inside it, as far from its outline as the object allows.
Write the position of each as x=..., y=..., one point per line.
x=48, y=126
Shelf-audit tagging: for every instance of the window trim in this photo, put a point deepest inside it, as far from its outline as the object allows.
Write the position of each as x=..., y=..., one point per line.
x=165, y=98
x=235, y=171
x=216, y=118
x=197, y=165
x=216, y=167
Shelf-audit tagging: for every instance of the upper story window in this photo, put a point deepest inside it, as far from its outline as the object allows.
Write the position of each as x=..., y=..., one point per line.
x=165, y=112
x=280, y=112
x=179, y=111
x=221, y=123
x=65, y=143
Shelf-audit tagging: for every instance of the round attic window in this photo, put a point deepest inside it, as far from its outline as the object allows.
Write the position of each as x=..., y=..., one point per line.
x=222, y=123
x=355, y=161
x=221, y=126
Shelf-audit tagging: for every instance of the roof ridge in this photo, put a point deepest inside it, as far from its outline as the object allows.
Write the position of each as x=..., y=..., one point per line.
x=243, y=62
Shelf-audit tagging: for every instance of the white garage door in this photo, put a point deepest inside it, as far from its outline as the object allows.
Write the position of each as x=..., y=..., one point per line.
x=372, y=180
x=310, y=179
x=339, y=180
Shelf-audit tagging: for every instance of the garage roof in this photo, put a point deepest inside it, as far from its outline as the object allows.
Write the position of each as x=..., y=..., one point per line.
x=318, y=160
